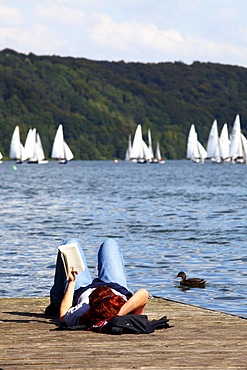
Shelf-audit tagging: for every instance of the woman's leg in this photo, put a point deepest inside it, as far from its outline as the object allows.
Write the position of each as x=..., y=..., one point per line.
x=111, y=263
x=60, y=280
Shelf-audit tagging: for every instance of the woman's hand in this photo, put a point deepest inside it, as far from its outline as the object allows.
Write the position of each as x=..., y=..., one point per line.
x=72, y=274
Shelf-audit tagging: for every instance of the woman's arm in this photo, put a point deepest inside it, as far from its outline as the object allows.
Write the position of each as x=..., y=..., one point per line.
x=135, y=304
x=68, y=296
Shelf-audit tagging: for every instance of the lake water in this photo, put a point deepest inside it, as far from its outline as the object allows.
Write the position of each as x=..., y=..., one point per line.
x=166, y=217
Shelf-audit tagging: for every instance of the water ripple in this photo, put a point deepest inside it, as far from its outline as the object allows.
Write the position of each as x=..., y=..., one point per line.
x=178, y=216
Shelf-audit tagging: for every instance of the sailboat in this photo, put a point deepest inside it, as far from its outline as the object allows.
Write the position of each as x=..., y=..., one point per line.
x=157, y=157
x=30, y=143
x=244, y=146
x=236, y=149
x=17, y=150
x=202, y=151
x=140, y=152
x=158, y=154
x=60, y=149
x=147, y=154
x=1, y=157
x=128, y=154
x=195, y=150
x=213, y=148
x=34, y=148
x=39, y=151
x=224, y=143
x=150, y=144
x=137, y=149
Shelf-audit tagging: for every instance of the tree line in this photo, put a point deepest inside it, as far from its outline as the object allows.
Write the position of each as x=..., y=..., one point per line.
x=100, y=103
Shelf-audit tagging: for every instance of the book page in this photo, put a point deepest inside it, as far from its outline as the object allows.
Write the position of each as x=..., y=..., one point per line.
x=72, y=256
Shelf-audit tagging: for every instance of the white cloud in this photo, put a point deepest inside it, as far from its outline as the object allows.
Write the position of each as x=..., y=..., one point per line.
x=135, y=41
x=39, y=39
x=130, y=30
x=10, y=16
x=62, y=14
x=43, y=40
x=127, y=35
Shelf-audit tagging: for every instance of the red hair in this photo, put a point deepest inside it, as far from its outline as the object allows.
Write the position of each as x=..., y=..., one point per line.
x=103, y=303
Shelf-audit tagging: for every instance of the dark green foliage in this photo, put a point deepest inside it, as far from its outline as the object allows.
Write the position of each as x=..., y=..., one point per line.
x=101, y=103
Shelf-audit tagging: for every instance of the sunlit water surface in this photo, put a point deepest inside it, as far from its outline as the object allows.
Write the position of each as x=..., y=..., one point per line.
x=167, y=218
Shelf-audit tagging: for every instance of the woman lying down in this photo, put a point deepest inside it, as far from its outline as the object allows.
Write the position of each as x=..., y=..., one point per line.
x=77, y=300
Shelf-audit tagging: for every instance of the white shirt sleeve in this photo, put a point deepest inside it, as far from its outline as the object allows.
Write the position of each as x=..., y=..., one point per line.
x=74, y=313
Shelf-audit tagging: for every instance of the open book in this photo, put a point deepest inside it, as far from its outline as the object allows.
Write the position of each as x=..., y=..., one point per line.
x=71, y=257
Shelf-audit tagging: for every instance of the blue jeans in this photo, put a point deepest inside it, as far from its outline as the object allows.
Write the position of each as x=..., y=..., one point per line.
x=110, y=269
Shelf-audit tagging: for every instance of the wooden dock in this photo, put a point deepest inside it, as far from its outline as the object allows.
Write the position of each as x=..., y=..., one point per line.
x=199, y=339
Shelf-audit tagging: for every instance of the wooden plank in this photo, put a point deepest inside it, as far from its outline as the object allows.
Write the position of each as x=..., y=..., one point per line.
x=199, y=339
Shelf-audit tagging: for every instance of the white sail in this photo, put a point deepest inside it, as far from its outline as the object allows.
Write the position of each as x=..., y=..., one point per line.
x=224, y=143
x=33, y=147
x=60, y=149
x=39, y=150
x=236, y=150
x=147, y=155
x=158, y=157
x=128, y=154
x=150, y=143
x=1, y=156
x=244, y=146
x=137, y=146
x=57, y=148
x=192, y=147
x=67, y=152
x=202, y=152
x=157, y=153
x=30, y=143
x=213, y=148
x=17, y=150
x=195, y=150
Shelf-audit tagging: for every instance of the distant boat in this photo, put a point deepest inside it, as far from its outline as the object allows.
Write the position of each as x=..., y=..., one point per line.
x=30, y=143
x=202, y=152
x=39, y=151
x=139, y=152
x=157, y=157
x=244, y=146
x=34, y=148
x=158, y=154
x=1, y=157
x=236, y=149
x=128, y=154
x=17, y=150
x=195, y=150
x=137, y=148
x=150, y=144
x=224, y=144
x=60, y=149
x=147, y=155
x=213, y=146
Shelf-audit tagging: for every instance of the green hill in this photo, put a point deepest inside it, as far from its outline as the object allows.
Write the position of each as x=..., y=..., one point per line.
x=101, y=103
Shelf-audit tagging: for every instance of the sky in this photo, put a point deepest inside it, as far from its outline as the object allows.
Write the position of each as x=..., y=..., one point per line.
x=147, y=31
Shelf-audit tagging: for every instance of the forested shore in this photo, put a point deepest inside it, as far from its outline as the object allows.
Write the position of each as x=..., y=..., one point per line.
x=100, y=103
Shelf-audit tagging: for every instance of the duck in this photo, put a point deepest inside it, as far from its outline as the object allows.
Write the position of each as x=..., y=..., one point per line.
x=192, y=282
